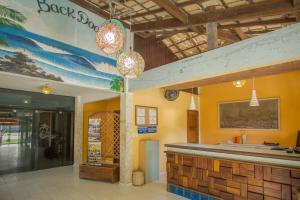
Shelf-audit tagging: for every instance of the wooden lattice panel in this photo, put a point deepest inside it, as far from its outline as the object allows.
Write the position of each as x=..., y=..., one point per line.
x=109, y=135
x=228, y=179
x=117, y=137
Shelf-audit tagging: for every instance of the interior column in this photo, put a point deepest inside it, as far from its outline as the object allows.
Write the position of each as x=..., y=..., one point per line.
x=78, y=134
x=125, y=137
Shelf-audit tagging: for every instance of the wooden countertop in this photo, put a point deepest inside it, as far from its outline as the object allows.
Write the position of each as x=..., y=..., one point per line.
x=239, y=152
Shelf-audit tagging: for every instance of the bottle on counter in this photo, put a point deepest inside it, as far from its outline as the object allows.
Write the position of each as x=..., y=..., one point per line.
x=244, y=138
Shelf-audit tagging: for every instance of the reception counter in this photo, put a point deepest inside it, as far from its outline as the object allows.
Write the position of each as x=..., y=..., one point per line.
x=232, y=172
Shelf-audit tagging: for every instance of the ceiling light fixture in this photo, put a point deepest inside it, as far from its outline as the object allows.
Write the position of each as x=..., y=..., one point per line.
x=46, y=89
x=130, y=63
x=239, y=83
x=111, y=35
x=254, y=101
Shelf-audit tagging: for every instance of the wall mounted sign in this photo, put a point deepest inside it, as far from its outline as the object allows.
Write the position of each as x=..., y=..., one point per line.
x=239, y=115
x=146, y=116
x=41, y=39
x=147, y=129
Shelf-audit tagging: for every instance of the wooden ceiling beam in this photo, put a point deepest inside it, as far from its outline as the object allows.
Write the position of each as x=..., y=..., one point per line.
x=295, y=2
x=262, y=71
x=298, y=17
x=265, y=8
x=159, y=10
x=241, y=34
x=173, y=10
x=258, y=32
x=225, y=35
x=95, y=9
x=165, y=34
x=186, y=49
x=260, y=23
x=228, y=36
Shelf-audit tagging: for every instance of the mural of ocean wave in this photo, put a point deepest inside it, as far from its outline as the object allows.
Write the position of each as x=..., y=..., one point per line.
x=57, y=59
x=45, y=70
x=19, y=39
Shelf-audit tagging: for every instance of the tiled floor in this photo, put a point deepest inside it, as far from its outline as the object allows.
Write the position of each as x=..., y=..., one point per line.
x=63, y=184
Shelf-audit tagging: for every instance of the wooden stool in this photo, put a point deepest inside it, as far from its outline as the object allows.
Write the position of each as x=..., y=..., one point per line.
x=298, y=194
x=138, y=178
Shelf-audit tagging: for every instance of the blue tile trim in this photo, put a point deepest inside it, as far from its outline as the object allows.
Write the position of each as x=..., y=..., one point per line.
x=189, y=194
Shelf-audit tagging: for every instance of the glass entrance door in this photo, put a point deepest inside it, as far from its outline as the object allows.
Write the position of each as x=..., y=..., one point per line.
x=32, y=140
x=54, y=140
x=16, y=150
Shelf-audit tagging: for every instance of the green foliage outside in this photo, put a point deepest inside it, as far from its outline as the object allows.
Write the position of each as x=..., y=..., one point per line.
x=15, y=141
x=5, y=138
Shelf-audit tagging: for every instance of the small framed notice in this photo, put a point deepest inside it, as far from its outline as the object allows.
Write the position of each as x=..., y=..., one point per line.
x=146, y=116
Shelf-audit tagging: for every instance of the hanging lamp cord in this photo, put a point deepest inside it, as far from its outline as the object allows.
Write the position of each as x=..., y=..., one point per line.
x=130, y=39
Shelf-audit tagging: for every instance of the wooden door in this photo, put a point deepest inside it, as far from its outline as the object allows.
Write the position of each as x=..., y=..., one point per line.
x=192, y=126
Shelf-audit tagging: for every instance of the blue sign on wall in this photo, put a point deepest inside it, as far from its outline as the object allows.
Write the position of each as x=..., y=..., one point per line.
x=147, y=129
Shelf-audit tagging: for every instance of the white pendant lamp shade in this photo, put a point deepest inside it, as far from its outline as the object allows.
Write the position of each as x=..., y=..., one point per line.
x=192, y=104
x=254, y=100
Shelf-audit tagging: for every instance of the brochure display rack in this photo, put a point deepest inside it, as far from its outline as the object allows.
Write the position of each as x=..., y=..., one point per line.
x=103, y=147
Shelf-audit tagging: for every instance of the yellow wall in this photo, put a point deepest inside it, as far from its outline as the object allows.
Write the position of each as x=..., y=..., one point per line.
x=172, y=121
x=286, y=86
x=92, y=108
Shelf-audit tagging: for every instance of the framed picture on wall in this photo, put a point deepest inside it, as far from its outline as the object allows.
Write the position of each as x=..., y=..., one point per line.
x=146, y=116
x=239, y=115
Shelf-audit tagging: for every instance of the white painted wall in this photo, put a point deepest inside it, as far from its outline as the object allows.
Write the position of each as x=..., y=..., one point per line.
x=26, y=83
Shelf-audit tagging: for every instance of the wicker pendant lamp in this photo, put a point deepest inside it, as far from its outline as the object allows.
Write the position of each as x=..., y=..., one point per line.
x=111, y=35
x=130, y=63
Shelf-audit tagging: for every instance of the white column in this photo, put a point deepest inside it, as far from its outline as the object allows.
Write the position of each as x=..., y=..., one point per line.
x=126, y=137
x=78, y=132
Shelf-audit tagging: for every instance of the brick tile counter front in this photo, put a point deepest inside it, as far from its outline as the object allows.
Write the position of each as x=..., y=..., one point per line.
x=230, y=179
